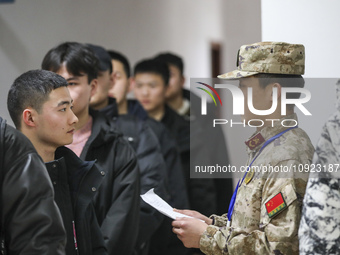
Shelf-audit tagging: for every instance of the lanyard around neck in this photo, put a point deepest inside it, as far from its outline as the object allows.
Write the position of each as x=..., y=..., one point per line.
x=233, y=198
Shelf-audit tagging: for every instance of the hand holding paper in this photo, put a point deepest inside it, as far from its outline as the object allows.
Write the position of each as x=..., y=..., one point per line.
x=187, y=230
x=195, y=215
x=159, y=204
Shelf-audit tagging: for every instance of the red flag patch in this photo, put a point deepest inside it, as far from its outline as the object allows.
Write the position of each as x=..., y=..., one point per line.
x=255, y=141
x=275, y=205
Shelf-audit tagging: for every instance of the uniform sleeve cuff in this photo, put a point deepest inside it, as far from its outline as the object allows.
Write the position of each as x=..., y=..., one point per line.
x=207, y=239
x=219, y=221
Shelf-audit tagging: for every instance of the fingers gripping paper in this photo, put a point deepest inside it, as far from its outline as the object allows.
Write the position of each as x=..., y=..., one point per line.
x=159, y=204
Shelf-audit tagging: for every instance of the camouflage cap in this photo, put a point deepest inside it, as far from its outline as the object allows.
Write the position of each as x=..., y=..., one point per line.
x=268, y=57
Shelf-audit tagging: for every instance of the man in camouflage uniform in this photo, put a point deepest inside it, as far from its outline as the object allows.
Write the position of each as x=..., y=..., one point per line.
x=266, y=214
x=319, y=231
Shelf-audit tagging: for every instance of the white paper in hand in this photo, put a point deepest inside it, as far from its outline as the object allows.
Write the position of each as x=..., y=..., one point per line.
x=159, y=204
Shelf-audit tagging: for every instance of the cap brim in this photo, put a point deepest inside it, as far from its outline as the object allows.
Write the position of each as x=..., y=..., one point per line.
x=236, y=74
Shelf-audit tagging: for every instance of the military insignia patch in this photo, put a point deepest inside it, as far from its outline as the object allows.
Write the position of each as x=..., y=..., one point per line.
x=249, y=176
x=275, y=205
x=255, y=141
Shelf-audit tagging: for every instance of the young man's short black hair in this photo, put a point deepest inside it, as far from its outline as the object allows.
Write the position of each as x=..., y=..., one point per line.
x=122, y=59
x=285, y=80
x=103, y=57
x=31, y=89
x=171, y=59
x=78, y=58
x=153, y=66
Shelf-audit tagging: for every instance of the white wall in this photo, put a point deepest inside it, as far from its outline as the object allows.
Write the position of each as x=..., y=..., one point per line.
x=315, y=24
x=138, y=28
x=141, y=28
x=242, y=25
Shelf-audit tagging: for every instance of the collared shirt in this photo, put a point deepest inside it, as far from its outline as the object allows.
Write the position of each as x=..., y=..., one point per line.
x=185, y=108
x=259, y=225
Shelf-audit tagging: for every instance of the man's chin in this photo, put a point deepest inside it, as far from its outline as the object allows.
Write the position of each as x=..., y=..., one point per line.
x=68, y=142
x=147, y=107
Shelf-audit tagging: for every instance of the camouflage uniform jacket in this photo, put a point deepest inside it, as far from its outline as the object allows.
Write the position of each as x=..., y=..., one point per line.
x=319, y=231
x=253, y=230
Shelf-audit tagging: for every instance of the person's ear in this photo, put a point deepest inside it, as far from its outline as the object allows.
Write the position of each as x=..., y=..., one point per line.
x=112, y=80
x=28, y=117
x=278, y=87
x=270, y=91
x=182, y=81
x=131, y=84
x=94, y=86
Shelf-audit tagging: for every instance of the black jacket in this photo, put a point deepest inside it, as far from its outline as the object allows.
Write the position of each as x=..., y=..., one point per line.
x=75, y=183
x=209, y=148
x=117, y=201
x=170, y=151
x=179, y=129
x=30, y=218
x=151, y=166
x=164, y=241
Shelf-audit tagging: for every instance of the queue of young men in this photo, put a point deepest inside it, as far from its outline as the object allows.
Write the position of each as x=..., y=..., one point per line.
x=144, y=142
x=102, y=152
